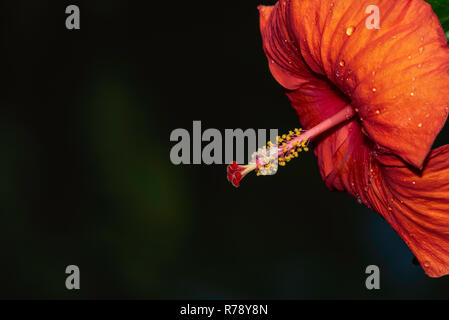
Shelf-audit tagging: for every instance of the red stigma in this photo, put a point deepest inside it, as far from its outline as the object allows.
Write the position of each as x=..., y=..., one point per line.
x=235, y=174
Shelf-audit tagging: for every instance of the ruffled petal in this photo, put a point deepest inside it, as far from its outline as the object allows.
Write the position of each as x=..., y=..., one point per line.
x=285, y=62
x=377, y=157
x=418, y=209
x=414, y=203
x=396, y=77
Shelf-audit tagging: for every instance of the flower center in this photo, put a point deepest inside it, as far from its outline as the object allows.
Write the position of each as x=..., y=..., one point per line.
x=288, y=146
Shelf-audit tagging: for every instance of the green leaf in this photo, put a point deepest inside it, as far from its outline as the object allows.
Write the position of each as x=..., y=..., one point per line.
x=441, y=8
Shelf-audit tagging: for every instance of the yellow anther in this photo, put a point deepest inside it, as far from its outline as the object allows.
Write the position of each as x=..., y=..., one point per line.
x=285, y=151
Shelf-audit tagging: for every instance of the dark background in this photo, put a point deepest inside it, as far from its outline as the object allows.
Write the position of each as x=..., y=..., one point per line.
x=86, y=178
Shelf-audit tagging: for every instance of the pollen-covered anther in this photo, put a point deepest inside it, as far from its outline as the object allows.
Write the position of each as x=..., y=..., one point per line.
x=267, y=159
x=296, y=143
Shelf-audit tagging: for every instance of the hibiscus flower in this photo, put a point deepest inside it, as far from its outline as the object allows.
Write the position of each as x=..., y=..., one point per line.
x=372, y=101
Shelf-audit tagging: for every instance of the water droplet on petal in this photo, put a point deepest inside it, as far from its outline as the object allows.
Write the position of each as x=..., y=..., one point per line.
x=421, y=50
x=419, y=65
x=374, y=89
x=420, y=125
x=413, y=182
x=359, y=200
x=427, y=264
x=412, y=94
x=409, y=57
x=350, y=31
x=377, y=111
x=342, y=63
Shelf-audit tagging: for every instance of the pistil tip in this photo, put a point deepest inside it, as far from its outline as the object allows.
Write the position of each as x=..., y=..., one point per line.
x=235, y=174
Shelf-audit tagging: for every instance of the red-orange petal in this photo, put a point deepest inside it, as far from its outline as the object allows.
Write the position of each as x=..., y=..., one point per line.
x=415, y=204
x=417, y=208
x=324, y=66
x=397, y=76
